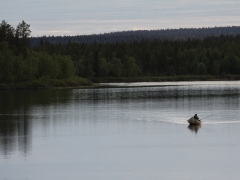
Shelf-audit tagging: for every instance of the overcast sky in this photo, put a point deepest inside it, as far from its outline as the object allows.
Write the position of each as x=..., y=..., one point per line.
x=78, y=17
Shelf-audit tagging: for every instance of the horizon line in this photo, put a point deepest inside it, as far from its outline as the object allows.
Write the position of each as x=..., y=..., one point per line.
x=135, y=30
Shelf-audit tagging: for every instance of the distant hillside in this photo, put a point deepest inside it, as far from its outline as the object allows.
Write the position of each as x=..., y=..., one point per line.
x=129, y=36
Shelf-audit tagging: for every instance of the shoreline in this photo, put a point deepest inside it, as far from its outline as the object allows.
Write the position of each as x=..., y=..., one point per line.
x=103, y=82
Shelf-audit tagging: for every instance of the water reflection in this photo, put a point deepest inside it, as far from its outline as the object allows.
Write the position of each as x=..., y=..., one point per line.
x=20, y=110
x=194, y=128
x=15, y=133
x=16, y=118
x=181, y=91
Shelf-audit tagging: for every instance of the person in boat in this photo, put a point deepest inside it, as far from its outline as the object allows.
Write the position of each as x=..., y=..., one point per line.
x=196, y=117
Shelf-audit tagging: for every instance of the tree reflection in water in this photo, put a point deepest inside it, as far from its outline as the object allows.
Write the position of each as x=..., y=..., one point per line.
x=16, y=118
x=15, y=133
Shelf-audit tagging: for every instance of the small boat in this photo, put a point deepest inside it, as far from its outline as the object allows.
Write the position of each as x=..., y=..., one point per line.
x=193, y=121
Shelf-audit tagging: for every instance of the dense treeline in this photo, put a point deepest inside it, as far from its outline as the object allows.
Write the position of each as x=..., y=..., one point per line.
x=212, y=55
x=34, y=65
x=130, y=36
x=20, y=63
x=62, y=64
x=17, y=39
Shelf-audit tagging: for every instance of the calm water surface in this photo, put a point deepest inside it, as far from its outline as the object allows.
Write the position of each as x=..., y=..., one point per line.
x=131, y=133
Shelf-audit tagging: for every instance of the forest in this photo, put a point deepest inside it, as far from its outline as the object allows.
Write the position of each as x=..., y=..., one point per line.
x=22, y=66
x=138, y=35
x=73, y=63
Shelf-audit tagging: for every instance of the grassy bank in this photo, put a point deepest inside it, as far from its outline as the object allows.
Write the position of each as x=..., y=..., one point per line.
x=78, y=82
x=166, y=78
x=46, y=83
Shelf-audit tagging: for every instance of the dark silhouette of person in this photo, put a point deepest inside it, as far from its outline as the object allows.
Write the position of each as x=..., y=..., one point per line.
x=196, y=117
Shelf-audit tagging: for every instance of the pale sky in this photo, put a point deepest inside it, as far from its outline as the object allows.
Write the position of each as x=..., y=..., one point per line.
x=79, y=17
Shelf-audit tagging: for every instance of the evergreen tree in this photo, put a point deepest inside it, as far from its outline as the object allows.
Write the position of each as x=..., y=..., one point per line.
x=22, y=36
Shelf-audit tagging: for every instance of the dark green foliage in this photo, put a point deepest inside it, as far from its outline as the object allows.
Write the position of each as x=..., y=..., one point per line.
x=7, y=33
x=59, y=64
x=212, y=55
x=18, y=39
x=23, y=33
x=130, y=68
x=103, y=67
x=35, y=66
x=201, y=69
x=231, y=64
x=19, y=64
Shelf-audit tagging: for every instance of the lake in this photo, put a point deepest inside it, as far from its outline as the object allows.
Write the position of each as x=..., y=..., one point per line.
x=136, y=131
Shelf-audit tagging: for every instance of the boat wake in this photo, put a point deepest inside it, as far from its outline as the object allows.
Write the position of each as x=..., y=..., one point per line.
x=184, y=121
x=221, y=122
